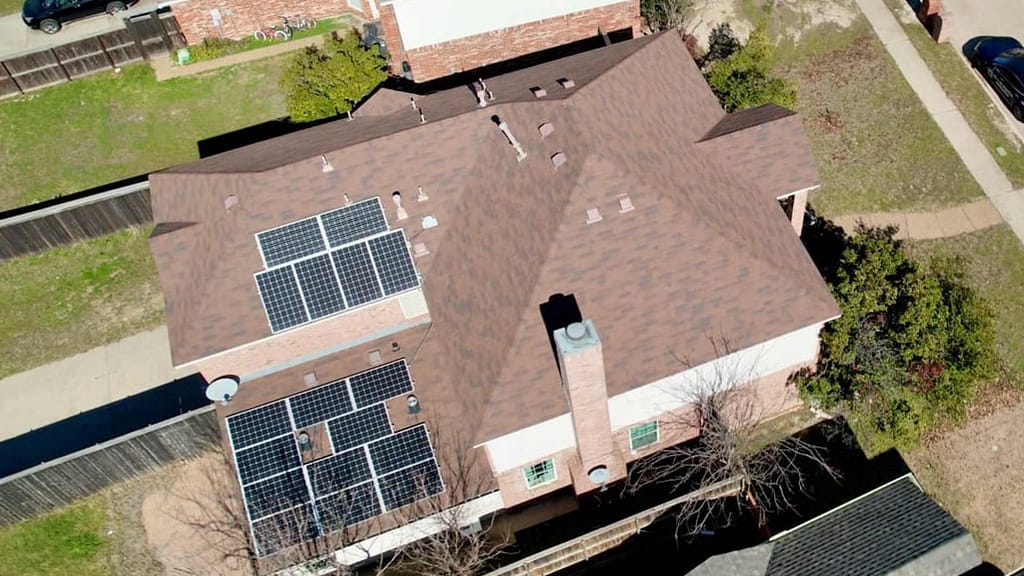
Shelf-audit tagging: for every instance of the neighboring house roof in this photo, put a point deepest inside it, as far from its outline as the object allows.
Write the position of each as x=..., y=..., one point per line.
x=766, y=144
x=706, y=253
x=895, y=529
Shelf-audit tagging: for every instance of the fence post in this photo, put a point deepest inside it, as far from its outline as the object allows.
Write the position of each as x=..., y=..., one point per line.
x=59, y=64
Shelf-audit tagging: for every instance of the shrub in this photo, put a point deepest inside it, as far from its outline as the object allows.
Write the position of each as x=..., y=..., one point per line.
x=722, y=43
x=745, y=79
x=323, y=82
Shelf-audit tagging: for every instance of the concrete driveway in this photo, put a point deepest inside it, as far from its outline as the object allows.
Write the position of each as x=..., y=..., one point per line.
x=970, y=18
x=17, y=39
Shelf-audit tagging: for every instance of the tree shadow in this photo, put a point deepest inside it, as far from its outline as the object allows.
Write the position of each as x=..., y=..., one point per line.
x=824, y=242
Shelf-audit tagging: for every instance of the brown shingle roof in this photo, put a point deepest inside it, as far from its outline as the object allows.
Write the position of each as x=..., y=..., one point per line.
x=706, y=252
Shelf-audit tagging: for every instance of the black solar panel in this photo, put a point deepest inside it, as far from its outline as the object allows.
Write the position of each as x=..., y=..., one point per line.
x=267, y=459
x=394, y=263
x=335, y=473
x=259, y=424
x=285, y=529
x=291, y=242
x=381, y=383
x=358, y=280
x=319, y=286
x=320, y=404
x=275, y=494
x=354, y=222
x=359, y=427
x=349, y=507
x=405, y=448
x=281, y=299
x=410, y=484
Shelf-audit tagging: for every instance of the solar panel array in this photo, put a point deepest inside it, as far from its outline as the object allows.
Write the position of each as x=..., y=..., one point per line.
x=371, y=469
x=331, y=262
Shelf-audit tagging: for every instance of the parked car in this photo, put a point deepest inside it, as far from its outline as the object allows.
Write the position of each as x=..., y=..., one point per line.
x=50, y=15
x=1000, y=59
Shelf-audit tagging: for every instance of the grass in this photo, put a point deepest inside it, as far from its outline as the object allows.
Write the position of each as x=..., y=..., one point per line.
x=877, y=148
x=110, y=126
x=995, y=264
x=68, y=542
x=67, y=300
x=213, y=48
x=964, y=89
x=10, y=6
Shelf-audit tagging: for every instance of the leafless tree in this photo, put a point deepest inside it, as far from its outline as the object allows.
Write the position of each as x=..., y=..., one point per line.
x=454, y=540
x=292, y=537
x=731, y=447
x=661, y=15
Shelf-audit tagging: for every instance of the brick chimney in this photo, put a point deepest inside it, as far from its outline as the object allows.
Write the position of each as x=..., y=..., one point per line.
x=582, y=366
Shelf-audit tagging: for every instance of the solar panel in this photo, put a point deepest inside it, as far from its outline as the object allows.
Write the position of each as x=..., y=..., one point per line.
x=381, y=383
x=267, y=459
x=319, y=286
x=358, y=280
x=394, y=263
x=291, y=242
x=275, y=494
x=320, y=404
x=285, y=529
x=354, y=222
x=359, y=427
x=349, y=507
x=408, y=447
x=410, y=484
x=281, y=299
x=259, y=424
x=338, y=472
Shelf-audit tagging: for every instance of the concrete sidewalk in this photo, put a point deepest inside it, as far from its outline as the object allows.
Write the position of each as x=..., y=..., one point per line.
x=64, y=388
x=953, y=221
x=981, y=165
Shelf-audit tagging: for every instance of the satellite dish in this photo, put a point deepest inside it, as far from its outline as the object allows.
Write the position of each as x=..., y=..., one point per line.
x=598, y=475
x=222, y=389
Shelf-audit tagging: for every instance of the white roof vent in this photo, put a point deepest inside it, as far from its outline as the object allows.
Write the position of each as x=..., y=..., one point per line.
x=625, y=204
x=593, y=215
x=230, y=202
x=538, y=92
x=546, y=129
x=419, y=249
x=558, y=159
x=566, y=83
x=429, y=222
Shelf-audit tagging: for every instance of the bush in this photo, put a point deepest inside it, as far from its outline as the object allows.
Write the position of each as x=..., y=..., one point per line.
x=211, y=48
x=722, y=44
x=913, y=341
x=324, y=82
x=744, y=79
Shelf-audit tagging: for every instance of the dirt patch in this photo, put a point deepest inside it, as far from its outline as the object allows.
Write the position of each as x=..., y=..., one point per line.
x=811, y=14
x=976, y=472
x=793, y=17
x=193, y=523
x=710, y=13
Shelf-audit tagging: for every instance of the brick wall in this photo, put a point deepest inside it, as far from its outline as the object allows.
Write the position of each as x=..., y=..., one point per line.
x=239, y=18
x=471, y=52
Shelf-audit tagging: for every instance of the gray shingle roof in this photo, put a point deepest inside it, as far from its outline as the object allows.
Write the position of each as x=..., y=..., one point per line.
x=894, y=530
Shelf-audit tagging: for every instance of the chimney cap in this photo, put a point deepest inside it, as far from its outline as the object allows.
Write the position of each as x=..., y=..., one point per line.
x=576, y=331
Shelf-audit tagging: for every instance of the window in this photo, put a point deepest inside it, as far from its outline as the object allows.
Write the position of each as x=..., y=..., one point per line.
x=540, y=473
x=643, y=435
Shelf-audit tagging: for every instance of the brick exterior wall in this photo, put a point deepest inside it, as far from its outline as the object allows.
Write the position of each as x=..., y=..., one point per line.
x=240, y=18
x=774, y=394
x=430, y=62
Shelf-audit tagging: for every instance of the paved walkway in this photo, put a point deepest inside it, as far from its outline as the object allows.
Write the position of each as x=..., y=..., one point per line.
x=954, y=221
x=1008, y=202
x=165, y=69
x=64, y=388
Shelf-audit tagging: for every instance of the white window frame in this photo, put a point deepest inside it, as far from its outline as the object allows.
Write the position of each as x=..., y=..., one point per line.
x=657, y=435
x=554, y=474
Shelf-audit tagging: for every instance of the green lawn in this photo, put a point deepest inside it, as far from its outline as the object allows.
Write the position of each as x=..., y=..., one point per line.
x=71, y=542
x=10, y=6
x=963, y=87
x=876, y=147
x=109, y=126
x=67, y=300
x=995, y=263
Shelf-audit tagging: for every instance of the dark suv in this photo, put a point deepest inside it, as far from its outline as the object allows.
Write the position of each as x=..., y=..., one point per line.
x=49, y=15
x=1000, y=59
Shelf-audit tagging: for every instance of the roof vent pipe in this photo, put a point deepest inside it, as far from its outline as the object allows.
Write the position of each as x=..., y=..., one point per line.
x=421, y=195
x=423, y=119
x=503, y=126
x=325, y=164
x=412, y=102
x=481, y=98
x=397, y=198
x=483, y=86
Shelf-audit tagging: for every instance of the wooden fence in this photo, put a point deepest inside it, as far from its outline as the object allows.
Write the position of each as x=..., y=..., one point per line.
x=145, y=35
x=54, y=484
x=84, y=215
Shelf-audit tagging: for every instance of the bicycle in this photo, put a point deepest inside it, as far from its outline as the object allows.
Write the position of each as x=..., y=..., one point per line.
x=301, y=22
x=282, y=33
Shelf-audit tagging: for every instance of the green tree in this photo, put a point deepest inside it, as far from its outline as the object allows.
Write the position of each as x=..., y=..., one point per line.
x=722, y=43
x=324, y=82
x=745, y=79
